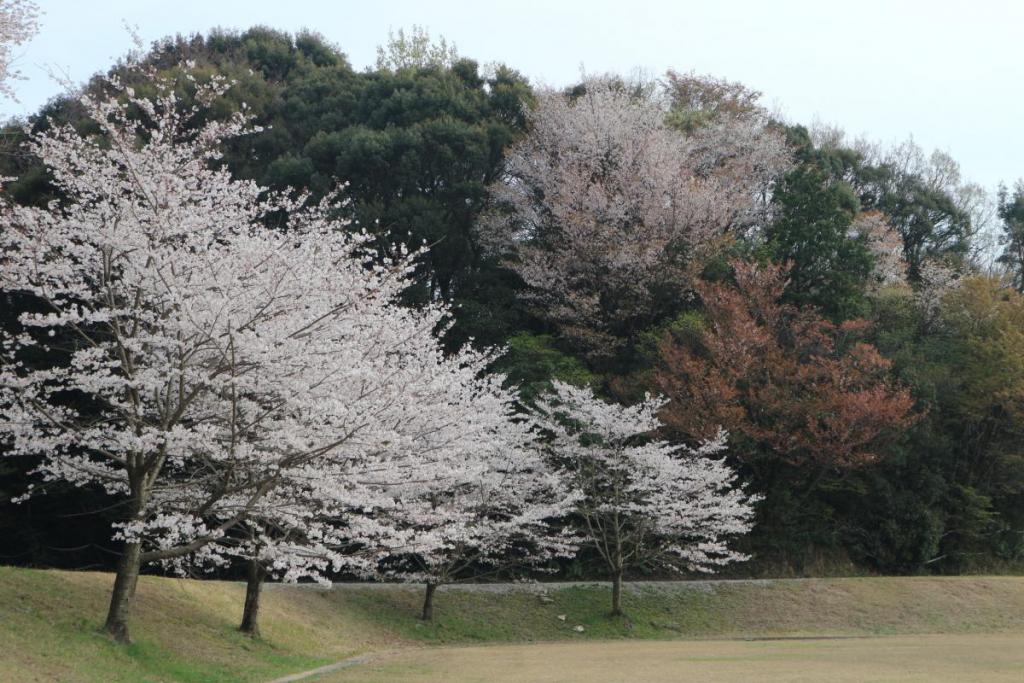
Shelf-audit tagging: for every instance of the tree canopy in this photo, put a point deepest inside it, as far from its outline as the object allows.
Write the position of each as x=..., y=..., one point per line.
x=836, y=305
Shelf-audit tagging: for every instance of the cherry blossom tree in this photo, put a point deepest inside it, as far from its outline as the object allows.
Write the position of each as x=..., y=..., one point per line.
x=937, y=279
x=19, y=22
x=214, y=367
x=607, y=212
x=297, y=530
x=312, y=527
x=644, y=502
x=451, y=485
x=494, y=508
x=886, y=247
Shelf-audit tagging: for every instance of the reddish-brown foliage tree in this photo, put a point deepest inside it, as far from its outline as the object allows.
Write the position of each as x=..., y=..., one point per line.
x=790, y=386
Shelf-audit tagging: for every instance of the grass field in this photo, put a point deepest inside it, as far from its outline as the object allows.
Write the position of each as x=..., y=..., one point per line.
x=992, y=657
x=185, y=630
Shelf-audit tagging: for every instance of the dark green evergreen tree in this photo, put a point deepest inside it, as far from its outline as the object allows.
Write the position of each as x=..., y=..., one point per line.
x=811, y=231
x=1011, y=213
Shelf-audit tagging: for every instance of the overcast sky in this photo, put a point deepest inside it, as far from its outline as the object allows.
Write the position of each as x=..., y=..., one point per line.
x=949, y=73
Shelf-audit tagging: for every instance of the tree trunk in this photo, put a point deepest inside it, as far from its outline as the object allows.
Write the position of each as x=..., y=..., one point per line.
x=253, y=586
x=617, y=593
x=428, y=603
x=124, y=591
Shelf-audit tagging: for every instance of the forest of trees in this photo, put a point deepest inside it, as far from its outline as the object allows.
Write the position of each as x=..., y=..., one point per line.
x=852, y=315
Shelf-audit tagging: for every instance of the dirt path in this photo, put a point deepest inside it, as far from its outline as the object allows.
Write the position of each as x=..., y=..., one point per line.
x=330, y=668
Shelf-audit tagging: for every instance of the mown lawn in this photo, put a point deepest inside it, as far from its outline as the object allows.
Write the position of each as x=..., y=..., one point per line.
x=922, y=659
x=184, y=630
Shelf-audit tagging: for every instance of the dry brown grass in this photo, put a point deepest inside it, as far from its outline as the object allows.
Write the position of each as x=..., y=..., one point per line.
x=904, y=659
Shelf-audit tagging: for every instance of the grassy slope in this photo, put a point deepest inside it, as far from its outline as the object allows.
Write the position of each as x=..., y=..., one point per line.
x=184, y=630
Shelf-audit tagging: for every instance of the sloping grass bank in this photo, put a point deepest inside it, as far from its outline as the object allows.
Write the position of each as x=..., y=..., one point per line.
x=707, y=609
x=185, y=630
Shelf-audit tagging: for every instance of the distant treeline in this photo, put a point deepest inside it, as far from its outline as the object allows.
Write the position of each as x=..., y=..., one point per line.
x=860, y=335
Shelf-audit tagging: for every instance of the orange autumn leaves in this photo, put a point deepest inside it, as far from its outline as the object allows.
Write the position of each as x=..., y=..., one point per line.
x=784, y=381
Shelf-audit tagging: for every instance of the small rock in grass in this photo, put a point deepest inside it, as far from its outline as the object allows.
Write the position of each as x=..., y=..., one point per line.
x=562, y=617
x=579, y=629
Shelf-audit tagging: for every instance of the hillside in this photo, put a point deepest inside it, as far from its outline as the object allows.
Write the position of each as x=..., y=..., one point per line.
x=184, y=629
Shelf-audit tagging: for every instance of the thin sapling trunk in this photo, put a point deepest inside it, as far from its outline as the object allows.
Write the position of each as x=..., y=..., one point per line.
x=428, y=603
x=617, y=593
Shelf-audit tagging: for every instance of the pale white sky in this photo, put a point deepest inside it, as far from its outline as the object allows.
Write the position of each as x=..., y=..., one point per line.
x=947, y=72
